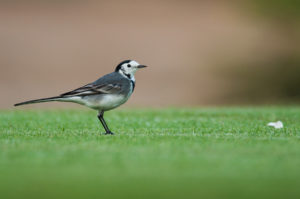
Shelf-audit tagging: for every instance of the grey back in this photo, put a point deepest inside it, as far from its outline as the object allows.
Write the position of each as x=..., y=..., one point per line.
x=117, y=79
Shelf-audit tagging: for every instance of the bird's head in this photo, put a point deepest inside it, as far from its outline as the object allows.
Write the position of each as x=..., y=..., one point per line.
x=128, y=67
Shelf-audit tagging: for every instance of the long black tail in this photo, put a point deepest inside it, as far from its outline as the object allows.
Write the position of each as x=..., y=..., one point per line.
x=49, y=99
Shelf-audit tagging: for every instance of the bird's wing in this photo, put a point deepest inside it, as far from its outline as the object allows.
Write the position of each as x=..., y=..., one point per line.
x=94, y=89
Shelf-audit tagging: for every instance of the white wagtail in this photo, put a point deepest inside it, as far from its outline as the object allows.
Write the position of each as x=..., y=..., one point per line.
x=106, y=93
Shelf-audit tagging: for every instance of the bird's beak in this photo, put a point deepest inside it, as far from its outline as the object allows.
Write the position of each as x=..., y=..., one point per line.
x=141, y=66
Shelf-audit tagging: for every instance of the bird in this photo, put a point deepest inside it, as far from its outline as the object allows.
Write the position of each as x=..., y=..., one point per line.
x=106, y=93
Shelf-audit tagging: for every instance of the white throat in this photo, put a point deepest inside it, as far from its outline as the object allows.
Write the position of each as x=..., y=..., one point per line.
x=129, y=76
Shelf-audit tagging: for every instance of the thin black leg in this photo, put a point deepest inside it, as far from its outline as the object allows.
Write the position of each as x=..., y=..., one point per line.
x=101, y=118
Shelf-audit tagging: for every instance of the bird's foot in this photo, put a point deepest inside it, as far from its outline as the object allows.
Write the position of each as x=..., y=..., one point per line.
x=109, y=133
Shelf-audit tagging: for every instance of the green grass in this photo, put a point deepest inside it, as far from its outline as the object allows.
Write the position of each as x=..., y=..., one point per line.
x=159, y=153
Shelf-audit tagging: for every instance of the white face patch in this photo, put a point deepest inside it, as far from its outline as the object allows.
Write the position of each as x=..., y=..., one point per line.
x=129, y=69
x=134, y=63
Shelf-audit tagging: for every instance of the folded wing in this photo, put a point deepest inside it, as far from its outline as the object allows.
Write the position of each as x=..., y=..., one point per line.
x=92, y=89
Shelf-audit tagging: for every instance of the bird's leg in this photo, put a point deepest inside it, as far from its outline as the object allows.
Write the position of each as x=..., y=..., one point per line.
x=101, y=118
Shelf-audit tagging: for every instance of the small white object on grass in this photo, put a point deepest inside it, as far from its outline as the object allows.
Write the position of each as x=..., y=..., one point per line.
x=276, y=125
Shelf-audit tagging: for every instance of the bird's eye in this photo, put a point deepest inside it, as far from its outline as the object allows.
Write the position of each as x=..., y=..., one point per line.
x=128, y=65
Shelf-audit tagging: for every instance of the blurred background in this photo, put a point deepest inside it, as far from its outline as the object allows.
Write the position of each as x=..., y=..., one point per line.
x=198, y=52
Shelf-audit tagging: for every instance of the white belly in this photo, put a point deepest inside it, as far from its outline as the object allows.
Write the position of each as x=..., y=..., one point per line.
x=106, y=102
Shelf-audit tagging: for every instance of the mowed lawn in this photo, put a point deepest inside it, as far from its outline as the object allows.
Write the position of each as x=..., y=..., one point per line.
x=155, y=153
